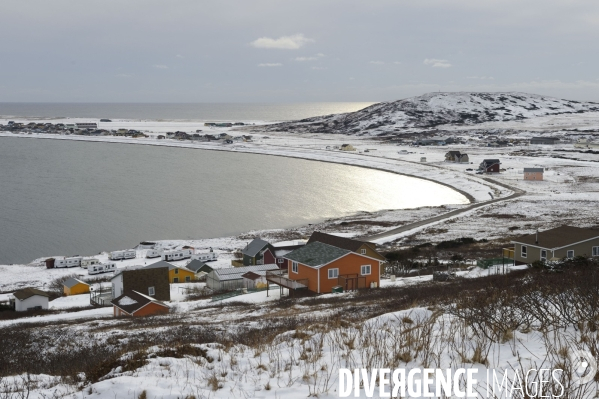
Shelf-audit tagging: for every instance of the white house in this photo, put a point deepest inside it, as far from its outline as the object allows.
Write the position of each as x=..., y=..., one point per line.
x=29, y=299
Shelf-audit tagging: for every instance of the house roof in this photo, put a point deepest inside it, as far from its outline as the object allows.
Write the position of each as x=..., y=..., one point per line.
x=163, y=263
x=558, y=237
x=131, y=301
x=236, y=273
x=70, y=283
x=197, y=265
x=255, y=246
x=491, y=161
x=317, y=253
x=251, y=275
x=453, y=153
x=28, y=293
x=533, y=170
x=336, y=241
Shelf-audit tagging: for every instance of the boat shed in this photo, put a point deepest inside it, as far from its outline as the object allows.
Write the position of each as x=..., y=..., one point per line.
x=232, y=278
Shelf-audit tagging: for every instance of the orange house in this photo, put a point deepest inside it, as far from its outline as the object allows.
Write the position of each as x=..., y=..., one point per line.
x=325, y=266
x=133, y=303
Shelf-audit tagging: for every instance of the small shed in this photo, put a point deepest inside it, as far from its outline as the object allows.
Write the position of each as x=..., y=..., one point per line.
x=74, y=286
x=347, y=147
x=254, y=280
x=29, y=299
x=133, y=303
x=231, y=278
x=534, y=174
x=199, y=268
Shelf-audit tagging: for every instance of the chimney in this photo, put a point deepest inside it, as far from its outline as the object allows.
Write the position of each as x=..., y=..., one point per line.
x=537, y=238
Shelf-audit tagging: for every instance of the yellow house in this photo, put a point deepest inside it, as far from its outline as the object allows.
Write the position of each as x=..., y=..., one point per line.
x=176, y=274
x=73, y=286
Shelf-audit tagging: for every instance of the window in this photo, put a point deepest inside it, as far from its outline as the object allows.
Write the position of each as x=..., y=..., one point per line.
x=175, y=279
x=187, y=279
x=365, y=270
x=595, y=251
x=524, y=250
x=176, y=271
x=543, y=254
x=333, y=273
x=363, y=251
x=151, y=291
x=294, y=267
x=570, y=254
x=280, y=260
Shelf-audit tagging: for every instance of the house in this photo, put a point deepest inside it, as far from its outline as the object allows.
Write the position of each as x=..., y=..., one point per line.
x=324, y=266
x=357, y=246
x=456, y=156
x=231, y=278
x=199, y=268
x=133, y=303
x=74, y=286
x=254, y=280
x=153, y=281
x=533, y=173
x=176, y=274
x=347, y=147
x=258, y=252
x=560, y=242
x=29, y=299
x=490, y=166
x=87, y=125
x=544, y=140
x=283, y=248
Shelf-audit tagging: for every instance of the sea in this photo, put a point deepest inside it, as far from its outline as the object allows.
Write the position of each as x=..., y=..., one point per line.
x=225, y=112
x=63, y=197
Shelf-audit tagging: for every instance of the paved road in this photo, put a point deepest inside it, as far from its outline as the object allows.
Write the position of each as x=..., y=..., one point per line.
x=404, y=228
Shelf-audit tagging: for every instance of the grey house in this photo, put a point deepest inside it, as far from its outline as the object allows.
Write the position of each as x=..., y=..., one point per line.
x=558, y=243
x=232, y=278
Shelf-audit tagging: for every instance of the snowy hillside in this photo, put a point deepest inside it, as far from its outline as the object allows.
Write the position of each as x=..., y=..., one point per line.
x=434, y=109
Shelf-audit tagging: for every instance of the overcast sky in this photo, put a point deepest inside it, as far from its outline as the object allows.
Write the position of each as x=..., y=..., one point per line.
x=294, y=51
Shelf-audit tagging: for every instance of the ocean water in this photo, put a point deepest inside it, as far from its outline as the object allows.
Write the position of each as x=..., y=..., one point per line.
x=228, y=112
x=66, y=197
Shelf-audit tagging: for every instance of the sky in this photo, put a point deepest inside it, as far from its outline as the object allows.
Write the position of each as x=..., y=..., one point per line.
x=294, y=51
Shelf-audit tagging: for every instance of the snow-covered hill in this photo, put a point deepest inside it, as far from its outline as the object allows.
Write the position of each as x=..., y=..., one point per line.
x=434, y=109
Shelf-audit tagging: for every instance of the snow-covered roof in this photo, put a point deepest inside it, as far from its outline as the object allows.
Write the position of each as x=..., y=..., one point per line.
x=236, y=273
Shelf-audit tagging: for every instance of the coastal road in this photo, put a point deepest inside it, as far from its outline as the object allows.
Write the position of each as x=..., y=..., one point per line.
x=517, y=193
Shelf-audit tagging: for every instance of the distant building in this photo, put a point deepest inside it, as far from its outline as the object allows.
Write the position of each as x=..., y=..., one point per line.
x=347, y=147
x=533, y=173
x=544, y=140
x=490, y=166
x=87, y=125
x=232, y=278
x=456, y=156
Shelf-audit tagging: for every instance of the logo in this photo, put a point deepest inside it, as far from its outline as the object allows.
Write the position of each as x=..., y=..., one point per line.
x=584, y=366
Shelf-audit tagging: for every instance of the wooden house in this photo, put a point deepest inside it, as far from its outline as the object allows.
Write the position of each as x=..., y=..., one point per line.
x=134, y=304
x=74, y=286
x=456, y=156
x=490, y=166
x=176, y=274
x=534, y=174
x=29, y=299
x=558, y=243
x=199, y=268
x=153, y=282
x=258, y=252
x=351, y=244
x=324, y=266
